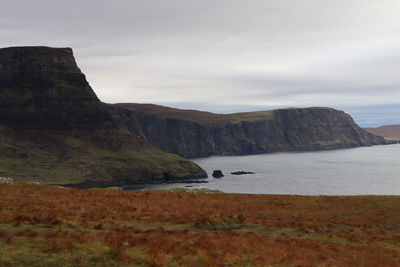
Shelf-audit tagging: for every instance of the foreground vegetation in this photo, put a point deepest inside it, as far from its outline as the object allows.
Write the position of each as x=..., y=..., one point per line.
x=43, y=225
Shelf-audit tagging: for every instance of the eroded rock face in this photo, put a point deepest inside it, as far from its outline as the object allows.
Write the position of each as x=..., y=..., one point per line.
x=185, y=138
x=283, y=130
x=42, y=88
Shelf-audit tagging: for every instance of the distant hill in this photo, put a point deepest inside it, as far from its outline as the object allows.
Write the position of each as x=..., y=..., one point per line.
x=387, y=131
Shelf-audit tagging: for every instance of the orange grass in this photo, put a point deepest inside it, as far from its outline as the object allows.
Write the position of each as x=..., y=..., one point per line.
x=157, y=228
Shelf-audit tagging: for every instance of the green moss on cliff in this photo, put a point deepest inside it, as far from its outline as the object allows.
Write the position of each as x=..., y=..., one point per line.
x=73, y=142
x=239, y=117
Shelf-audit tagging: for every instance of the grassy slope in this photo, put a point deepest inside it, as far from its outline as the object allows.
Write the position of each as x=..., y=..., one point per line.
x=60, y=159
x=202, y=117
x=50, y=226
x=390, y=132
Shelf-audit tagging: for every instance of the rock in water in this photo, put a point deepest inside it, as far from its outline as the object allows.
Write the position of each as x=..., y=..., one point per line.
x=217, y=174
x=241, y=173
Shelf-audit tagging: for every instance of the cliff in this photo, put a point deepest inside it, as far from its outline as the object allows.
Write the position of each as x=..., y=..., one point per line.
x=43, y=89
x=54, y=129
x=194, y=133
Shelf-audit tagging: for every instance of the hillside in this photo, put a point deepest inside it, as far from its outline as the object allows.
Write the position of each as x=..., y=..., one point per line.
x=195, y=133
x=51, y=226
x=391, y=132
x=54, y=129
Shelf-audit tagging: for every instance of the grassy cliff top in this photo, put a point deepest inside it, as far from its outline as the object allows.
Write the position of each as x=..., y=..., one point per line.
x=202, y=117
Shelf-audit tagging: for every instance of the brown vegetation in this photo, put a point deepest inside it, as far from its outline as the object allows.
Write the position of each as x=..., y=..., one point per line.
x=48, y=225
x=388, y=131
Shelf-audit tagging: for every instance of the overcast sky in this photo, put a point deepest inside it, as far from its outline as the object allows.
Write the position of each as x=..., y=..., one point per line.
x=226, y=55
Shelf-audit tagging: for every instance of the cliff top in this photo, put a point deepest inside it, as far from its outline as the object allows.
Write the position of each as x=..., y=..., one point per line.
x=204, y=117
x=43, y=49
x=37, y=59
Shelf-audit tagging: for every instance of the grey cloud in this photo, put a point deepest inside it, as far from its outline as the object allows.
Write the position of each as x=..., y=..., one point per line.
x=225, y=55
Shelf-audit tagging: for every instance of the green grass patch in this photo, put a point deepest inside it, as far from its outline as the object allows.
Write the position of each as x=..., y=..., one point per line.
x=219, y=222
x=195, y=190
x=73, y=142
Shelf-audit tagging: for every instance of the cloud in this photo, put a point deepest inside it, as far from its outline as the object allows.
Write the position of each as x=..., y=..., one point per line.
x=225, y=55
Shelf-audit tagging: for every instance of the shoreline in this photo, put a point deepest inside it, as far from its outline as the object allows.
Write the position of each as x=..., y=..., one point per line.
x=291, y=151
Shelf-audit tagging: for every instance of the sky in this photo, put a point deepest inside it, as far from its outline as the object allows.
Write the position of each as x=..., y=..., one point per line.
x=226, y=55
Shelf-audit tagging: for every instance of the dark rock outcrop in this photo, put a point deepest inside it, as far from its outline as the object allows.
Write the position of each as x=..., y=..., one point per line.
x=241, y=173
x=190, y=134
x=217, y=174
x=54, y=129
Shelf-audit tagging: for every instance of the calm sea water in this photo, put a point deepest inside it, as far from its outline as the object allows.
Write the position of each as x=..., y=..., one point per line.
x=356, y=171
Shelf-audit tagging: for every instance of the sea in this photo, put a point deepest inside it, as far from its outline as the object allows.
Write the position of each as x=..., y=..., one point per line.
x=371, y=170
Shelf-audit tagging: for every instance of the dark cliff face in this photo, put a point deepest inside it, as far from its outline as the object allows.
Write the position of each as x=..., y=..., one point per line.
x=281, y=130
x=54, y=129
x=185, y=138
x=42, y=88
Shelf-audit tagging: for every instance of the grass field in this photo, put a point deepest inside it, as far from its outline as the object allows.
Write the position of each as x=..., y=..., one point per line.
x=42, y=225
